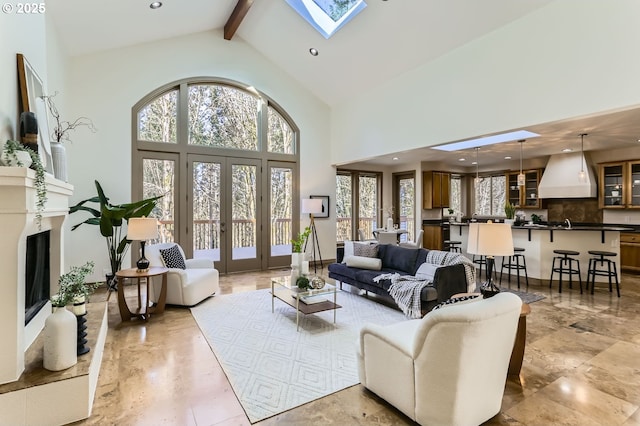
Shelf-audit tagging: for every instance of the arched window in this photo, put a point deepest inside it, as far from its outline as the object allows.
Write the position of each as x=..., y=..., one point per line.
x=226, y=157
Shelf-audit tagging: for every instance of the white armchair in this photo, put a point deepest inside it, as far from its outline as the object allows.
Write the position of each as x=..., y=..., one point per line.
x=414, y=244
x=186, y=287
x=448, y=368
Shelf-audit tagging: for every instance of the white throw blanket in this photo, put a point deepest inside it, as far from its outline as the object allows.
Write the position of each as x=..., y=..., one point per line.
x=405, y=290
x=447, y=258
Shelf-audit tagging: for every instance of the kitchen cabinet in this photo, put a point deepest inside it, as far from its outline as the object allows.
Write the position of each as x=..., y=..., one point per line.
x=524, y=197
x=435, y=189
x=432, y=237
x=619, y=185
x=630, y=251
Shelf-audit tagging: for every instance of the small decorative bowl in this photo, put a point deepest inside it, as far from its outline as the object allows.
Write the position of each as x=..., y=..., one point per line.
x=317, y=283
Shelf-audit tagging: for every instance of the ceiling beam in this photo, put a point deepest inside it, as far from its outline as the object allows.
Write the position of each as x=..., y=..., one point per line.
x=238, y=14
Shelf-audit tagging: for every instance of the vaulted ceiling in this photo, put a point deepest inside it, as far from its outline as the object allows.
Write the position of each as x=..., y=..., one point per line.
x=386, y=39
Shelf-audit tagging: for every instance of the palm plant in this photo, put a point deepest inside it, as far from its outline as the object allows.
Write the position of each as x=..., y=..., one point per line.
x=110, y=218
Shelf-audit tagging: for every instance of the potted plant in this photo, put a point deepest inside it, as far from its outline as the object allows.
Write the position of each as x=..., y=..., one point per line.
x=510, y=212
x=61, y=131
x=297, y=256
x=17, y=154
x=110, y=218
x=74, y=289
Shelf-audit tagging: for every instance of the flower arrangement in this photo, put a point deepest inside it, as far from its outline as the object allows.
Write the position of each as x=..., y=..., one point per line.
x=389, y=210
x=62, y=128
x=297, y=243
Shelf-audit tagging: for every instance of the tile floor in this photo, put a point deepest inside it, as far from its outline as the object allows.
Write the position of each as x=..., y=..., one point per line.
x=581, y=367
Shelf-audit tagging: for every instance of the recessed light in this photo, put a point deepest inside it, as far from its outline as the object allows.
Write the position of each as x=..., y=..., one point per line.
x=462, y=159
x=507, y=158
x=156, y=5
x=395, y=158
x=313, y=51
x=474, y=163
x=567, y=150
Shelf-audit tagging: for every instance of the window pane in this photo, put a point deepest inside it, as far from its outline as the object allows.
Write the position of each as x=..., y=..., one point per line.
x=498, y=194
x=222, y=117
x=368, y=205
x=157, y=120
x=407, y=197
x=206, y=210
x=343, y=207
x=455, y=194
x=483, y=197
x=243, y=211
x=158, y=178
x=281, y=211
x=280, y=135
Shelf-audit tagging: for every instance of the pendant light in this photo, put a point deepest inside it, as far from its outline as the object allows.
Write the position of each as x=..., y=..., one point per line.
x=521, y=178
x=582, y=176
x=477, y=179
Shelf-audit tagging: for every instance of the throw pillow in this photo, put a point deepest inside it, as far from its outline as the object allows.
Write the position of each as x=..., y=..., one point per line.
x=426, y=271
x=398, y=258
x=348, y=250
x=372, y=263
x=365, y=249
x=172, y=257
x=459, y=300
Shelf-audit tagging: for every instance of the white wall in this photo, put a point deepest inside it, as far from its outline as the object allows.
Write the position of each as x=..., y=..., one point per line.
x=568, y=59
x=106, y=85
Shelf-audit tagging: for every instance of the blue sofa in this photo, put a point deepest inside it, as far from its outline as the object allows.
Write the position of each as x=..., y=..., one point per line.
x=448, y=280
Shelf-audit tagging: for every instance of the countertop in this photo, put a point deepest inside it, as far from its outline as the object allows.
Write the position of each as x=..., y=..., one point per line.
x=539, y=227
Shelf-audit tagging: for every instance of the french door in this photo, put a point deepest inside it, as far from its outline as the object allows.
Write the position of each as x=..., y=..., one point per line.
x=224, y=211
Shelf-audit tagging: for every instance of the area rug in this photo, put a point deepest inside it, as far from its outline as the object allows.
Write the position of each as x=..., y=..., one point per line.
x=272, y=367
x=525, y=296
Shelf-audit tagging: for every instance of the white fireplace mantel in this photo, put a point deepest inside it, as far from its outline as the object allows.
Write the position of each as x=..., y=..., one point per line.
x=17, y=221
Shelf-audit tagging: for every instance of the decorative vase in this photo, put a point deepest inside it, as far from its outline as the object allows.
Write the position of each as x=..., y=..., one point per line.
x=296, y=264
x=59, y=158
x=389, y=224
x=317, y=283
x=60, y=340
x=509, y=221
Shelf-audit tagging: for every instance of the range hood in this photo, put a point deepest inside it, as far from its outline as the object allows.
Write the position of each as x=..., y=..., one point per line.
x=560, y=178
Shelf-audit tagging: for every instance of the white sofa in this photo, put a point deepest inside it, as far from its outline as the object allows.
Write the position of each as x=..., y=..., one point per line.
x=448, y=368
x=185, y=287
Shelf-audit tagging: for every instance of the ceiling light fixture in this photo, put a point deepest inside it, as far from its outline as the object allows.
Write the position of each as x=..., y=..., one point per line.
x=582, y=176
x=567, y=150
x=508, y=157
x=462, y=159
x=487, y=140
x=521, y=178
x=156, y=5
x=395, y=158
x=313, y=51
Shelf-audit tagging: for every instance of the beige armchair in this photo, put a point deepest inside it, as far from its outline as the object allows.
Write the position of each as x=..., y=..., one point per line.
x=448, y=368
x=185, y=287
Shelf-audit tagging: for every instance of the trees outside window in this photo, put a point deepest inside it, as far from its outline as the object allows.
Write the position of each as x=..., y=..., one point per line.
x=357, y=203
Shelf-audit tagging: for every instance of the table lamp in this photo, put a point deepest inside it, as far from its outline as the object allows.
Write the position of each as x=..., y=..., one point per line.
x=142, y=229
x=313, y=206
x=489, y=240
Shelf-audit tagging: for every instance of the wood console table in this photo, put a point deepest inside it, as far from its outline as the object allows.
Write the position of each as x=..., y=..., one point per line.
x=143, y=311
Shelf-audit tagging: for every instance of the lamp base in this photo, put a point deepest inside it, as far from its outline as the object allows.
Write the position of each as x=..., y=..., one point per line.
x=142, y=264
x=489, y=289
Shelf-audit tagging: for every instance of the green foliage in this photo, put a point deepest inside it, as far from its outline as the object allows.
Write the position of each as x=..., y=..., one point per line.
x=509, y=210
x=72, y=284
x=297, y=243
x=10, y=149
x=110, y=218
x=303, y=283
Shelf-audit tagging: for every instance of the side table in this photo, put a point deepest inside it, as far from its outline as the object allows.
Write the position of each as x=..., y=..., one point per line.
x=143, y=311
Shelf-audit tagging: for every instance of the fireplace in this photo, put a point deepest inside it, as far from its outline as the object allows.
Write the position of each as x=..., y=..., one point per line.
x=37, y=274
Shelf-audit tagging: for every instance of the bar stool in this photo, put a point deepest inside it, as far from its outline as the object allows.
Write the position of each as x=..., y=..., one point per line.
x=514, y=263
x=452, y=245
x=600, y=256
x=566, y=267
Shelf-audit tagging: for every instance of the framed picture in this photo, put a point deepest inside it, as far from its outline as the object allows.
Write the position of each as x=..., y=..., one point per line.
x=325, y=206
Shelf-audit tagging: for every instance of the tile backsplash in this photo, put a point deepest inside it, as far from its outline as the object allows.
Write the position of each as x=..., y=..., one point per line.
x=578, y=210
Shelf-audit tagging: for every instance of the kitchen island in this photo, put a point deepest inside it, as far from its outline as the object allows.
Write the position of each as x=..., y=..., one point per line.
x=539, y=241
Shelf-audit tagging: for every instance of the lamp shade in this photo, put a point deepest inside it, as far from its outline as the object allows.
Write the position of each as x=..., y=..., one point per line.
x=312, y=205
x=490, y=239
x=142, y=228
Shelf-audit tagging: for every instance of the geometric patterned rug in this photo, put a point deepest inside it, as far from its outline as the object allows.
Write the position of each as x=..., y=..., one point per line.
x=272, y=367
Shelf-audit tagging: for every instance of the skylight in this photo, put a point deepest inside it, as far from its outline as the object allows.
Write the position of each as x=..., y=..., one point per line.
x=487, y=140
x=327, y=16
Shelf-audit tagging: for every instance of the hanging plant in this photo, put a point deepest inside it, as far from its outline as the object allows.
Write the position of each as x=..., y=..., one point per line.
x=10, y=156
